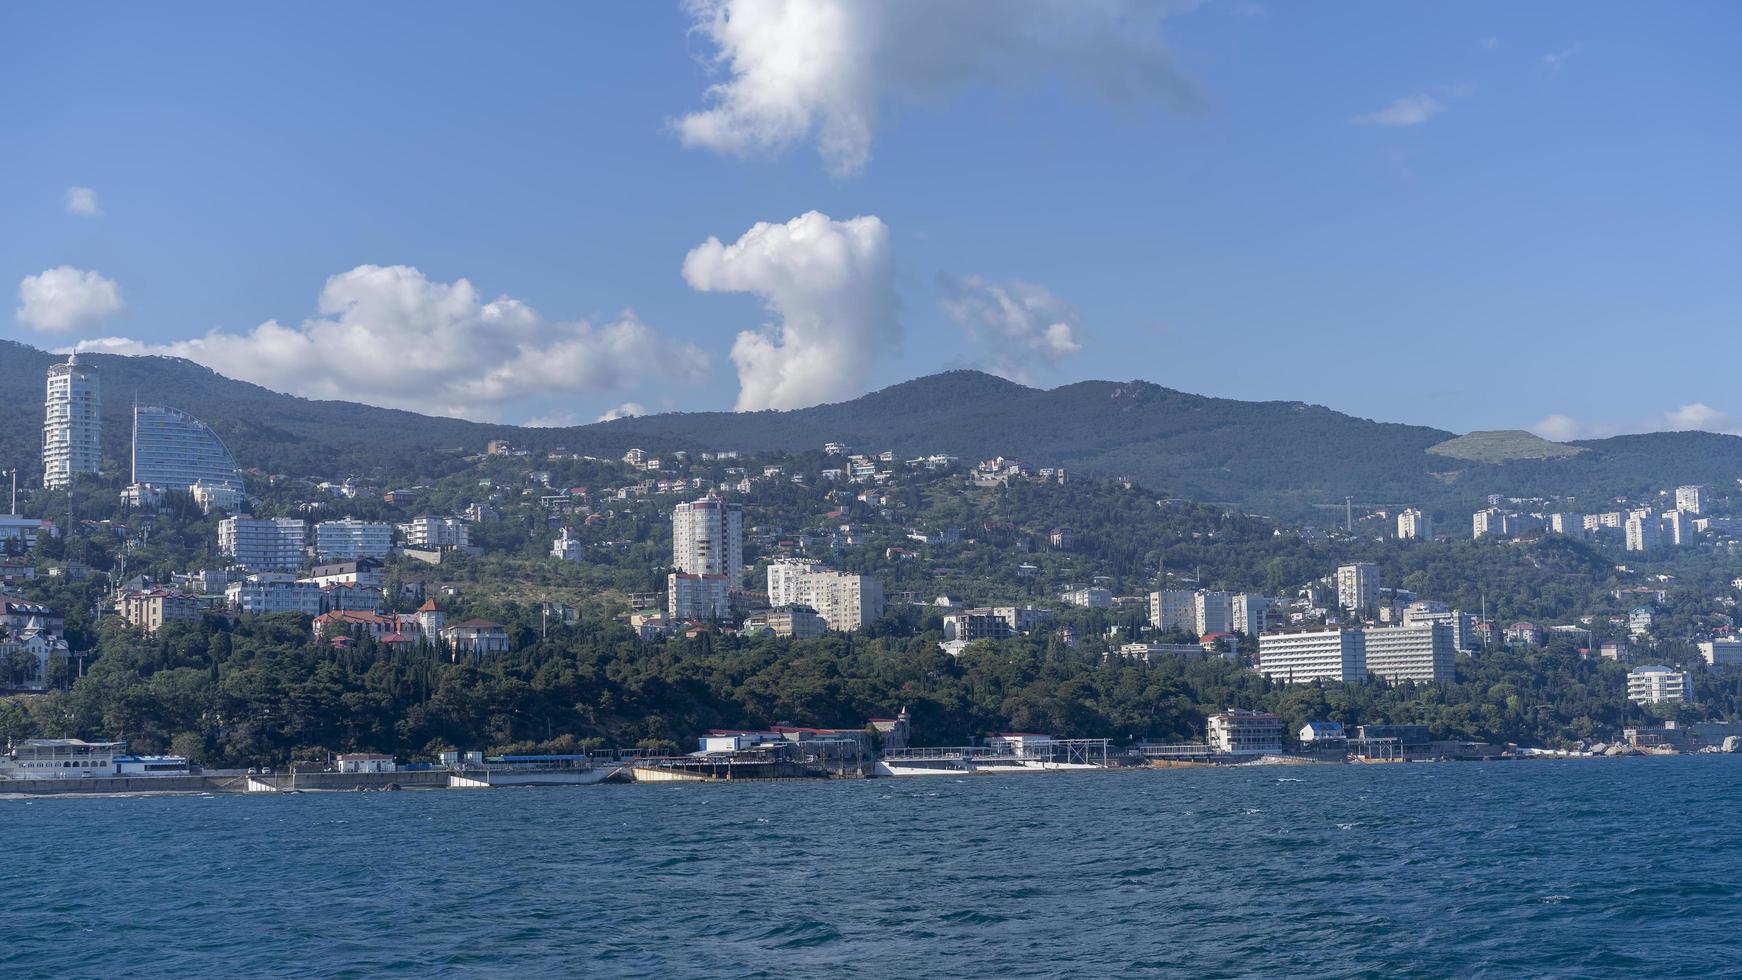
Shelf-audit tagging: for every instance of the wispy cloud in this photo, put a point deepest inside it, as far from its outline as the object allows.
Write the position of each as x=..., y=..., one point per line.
x=1417, y=108
x=1489, y=43
x=82, y=201
x=1694, y=417
x=1556, y=60
x=1022, y=327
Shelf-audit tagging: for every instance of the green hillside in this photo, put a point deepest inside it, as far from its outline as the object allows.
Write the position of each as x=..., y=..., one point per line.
x=1284, y=458
x=1503, y=446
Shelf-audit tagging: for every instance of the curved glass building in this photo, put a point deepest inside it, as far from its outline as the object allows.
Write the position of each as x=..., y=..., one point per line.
x=172, y=450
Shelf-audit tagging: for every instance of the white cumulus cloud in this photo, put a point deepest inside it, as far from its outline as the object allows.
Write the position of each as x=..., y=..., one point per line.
x=82, y=201
x=831, y=286
x=67, y=300
x=801, y=70
x=627, y=410
x=1694, y=417
x=388, y=335
x=1413, y=110
x=1020, y=326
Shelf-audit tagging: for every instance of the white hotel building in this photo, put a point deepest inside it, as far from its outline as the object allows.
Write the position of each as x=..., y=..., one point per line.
x=1657, y=684
x=264, y=545
x=1425, y=654
x=349, y=539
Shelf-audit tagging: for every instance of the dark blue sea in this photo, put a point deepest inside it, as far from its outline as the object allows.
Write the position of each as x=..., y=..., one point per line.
x=1601, y=868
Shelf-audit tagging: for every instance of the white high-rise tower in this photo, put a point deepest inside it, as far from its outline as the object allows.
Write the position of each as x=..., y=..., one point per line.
x=72, y=426
x=707, y=538
x=707, y=553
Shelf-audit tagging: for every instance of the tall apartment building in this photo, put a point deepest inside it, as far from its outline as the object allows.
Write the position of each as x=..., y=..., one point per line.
x=1657, y=684
x=783, y=577
x=1568, y=525
x=1677, y=528
x=1691, y=498
x=844, y=600
x=1213, y=612
x=1171, y=610
x=1644, y=531
x=698, y=596
x=264, y=545
x=72, y=424
x=1414, y=525
x=707, y=538
x=1358, y=587
x=436, y=532
x=349, y=539
x=1251, y=613
x=172, y=450
x=1488, y=522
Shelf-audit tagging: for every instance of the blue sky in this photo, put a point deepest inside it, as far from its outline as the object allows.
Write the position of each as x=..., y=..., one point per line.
x=1482, y=215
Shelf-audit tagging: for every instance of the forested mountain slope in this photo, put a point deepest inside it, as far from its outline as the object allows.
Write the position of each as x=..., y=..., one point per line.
x=1286, y=458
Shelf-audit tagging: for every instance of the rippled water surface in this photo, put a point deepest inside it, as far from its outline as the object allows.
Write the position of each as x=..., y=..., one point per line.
x=1603, y=868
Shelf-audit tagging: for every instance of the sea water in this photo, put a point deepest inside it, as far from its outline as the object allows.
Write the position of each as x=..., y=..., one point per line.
x=1598, y=868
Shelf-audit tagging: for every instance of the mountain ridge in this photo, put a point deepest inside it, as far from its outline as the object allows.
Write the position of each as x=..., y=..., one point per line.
x=1287, y=457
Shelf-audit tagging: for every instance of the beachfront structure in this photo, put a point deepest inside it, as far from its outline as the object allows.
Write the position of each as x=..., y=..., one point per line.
x=349, y=539
x=59, y=758
x=264, y=544
x=72, y=424
x=1238, y=731
x=1358, y=587
x=151, y=608
x=1657, y=684
x=436, y=532
x=365, y=762
x=1323, y=733
x=172, y=450
x=707, y=538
